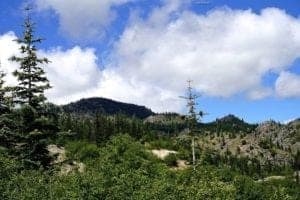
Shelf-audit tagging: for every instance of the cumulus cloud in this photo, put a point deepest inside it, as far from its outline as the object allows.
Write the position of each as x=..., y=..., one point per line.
x=288, y=85
x=8, y=48
x=259, y=93
x=85, y=19
x=225, y=51
x=72, y=72
x=120, y=87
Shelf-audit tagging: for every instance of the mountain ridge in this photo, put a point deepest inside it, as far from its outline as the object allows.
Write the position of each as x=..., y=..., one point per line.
x=96, y=105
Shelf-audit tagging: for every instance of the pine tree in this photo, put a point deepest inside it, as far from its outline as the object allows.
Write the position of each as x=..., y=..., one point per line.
x=35, y=126
x=31, y=76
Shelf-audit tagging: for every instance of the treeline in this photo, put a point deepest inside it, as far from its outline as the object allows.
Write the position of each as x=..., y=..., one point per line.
x=99, y=128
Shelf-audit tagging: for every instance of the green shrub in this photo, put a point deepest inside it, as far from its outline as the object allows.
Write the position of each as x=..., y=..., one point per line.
x=171, y=160
x=81, y=150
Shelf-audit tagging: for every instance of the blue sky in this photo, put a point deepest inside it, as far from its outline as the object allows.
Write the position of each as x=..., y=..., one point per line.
x=243, y=56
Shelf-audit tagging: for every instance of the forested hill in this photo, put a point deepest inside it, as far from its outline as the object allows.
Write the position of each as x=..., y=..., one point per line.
x=106, y=106
x=229, y=123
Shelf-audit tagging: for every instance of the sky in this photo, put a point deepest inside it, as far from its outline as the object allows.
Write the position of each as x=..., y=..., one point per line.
x=242, y=55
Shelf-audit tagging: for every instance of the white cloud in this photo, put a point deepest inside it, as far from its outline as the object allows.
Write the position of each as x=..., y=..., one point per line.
x=72, y=72
x=8, y=48
x=259, y=93
x=225, y=52
x=121, y=87
x=288, y=85
x=84, y=19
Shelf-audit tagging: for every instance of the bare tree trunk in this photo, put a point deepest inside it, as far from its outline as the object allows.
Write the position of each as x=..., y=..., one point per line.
x=193, y=152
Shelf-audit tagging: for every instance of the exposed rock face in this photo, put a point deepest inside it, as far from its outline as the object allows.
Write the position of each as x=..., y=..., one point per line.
x=71, y=167
x=61, y=158
x=269, y=142
x=286, y=137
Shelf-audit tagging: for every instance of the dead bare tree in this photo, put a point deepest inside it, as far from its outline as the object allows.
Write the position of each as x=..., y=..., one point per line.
x=192, y=117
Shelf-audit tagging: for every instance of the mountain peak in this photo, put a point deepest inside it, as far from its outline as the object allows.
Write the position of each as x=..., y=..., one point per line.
x=230, y=118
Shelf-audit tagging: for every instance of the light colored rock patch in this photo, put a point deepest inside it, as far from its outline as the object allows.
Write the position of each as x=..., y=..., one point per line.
x=272, y=178
x=163, y=153
x=61, y=157
x=72, y=167
x=181, y=165
x=59, y=152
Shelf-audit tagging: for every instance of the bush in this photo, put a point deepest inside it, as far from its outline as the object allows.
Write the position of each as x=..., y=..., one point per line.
x=82, y=151
x=171, y=160
x=164, y=144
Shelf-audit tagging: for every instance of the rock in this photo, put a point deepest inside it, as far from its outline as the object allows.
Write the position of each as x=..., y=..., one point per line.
x=59, y=152
x=162, y=153
x=72, y=167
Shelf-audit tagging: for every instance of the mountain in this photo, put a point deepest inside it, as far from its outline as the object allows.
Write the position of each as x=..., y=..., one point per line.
x=267, y=142
x=106, y=106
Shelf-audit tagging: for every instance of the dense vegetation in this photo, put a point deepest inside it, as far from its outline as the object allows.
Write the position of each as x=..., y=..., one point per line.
x=119, y=165
x=123, y=169
x=79, y=152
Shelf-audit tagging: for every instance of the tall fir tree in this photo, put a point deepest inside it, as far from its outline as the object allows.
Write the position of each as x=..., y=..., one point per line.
x=35, y=127
x=31, y=76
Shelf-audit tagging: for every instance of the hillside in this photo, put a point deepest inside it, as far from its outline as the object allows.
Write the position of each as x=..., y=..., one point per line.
x=268, y=142
x=106, y=106
x=116, y=157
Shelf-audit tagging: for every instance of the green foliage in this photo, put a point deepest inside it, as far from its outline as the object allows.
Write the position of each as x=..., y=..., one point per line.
x=26, y=133
x=82, y=151
x=171, y=160
x=164, y=143
x=31, y=76
x=124, y=169
x=99, y=128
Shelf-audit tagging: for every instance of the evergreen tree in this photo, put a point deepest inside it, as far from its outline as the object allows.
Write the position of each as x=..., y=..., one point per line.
x=35, y=124
x=31, y=76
